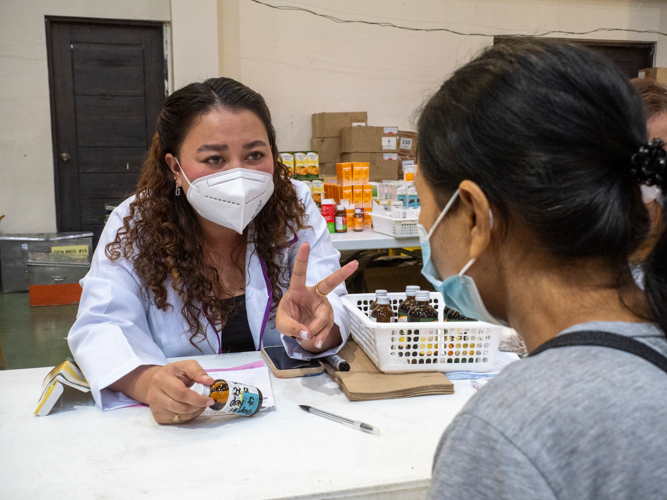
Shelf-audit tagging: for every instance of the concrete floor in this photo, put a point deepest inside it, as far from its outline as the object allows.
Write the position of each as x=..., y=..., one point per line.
x=33, y=336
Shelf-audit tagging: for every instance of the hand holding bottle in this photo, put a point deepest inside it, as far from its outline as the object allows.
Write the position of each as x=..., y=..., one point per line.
x=169, y=396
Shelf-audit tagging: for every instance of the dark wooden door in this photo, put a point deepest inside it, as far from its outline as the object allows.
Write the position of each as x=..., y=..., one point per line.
x=107, y=90
x=629, y=56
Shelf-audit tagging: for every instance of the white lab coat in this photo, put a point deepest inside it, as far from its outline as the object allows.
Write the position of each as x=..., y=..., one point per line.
x=117, y=330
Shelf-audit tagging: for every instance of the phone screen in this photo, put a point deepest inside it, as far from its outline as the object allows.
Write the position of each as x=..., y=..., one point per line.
x=283, y=362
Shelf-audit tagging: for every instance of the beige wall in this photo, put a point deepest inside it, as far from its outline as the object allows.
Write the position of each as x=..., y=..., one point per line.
x=300, y=63
x=303, y=64
x=194, y=34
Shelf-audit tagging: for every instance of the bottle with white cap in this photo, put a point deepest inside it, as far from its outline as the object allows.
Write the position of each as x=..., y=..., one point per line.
x=422, y=311
x=383, y=312
x=408, y=303
x=378, y=294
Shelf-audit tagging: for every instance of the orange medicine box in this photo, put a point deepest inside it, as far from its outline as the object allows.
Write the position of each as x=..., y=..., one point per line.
x=360, y=172
x=368, y=195
x=357, y=172
x=358, y=195
x=368, y=220
x=346, y=193
x=344, y=173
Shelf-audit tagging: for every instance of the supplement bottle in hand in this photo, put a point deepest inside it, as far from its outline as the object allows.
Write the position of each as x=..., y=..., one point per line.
x=231, y=398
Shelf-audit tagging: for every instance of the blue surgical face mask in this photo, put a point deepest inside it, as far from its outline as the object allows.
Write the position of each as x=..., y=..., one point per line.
x=459, y=291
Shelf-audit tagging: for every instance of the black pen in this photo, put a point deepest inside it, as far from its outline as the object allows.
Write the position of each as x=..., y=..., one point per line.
x=356, y=424
x=338, y=363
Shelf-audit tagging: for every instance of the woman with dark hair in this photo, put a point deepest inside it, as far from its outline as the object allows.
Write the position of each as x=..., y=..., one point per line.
x=198, y=261
x=531, y=159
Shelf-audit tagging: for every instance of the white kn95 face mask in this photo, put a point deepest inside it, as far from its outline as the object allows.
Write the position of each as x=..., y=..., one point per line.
x=231, y=198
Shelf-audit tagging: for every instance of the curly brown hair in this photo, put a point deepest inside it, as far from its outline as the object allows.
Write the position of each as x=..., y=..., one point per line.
x=161, y=234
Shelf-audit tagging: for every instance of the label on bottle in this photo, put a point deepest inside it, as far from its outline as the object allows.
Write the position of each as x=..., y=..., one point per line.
x=243, y=400
x=427, y=320
x=341, y=223
x=402, y=317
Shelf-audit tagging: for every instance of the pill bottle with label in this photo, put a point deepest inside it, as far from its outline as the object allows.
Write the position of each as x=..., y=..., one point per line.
x=341, y=219
x=422, y=311
x=231, y=398
x=358, y=218
x=378, y=294
x=408, y=303
x=383, y=312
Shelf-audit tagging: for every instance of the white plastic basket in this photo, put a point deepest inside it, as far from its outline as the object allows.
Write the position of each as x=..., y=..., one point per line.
x=442, y=346
x=398, y=228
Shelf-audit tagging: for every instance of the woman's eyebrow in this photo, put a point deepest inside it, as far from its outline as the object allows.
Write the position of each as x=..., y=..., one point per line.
x=254, y=144
x=212, y=147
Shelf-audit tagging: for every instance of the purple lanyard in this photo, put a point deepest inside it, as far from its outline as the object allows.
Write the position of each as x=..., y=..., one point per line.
x=267, y=311
x=267, y=281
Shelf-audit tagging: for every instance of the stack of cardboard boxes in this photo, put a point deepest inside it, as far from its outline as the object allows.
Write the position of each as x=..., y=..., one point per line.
x=326, y=138
x=407, y=154
x=377, y=146
x=346, y=138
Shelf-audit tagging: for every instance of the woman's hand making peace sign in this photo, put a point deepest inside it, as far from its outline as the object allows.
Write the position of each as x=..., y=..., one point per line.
x=304, y=311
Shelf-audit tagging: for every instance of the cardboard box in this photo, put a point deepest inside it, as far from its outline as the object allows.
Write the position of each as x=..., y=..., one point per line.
x=657, y=74
x=313, y=161
x=327, y=170
x=288, y=161
x=330, y=124
x=407, y=142
x=383, y=166
x=358, y=196
x=360, y=172
x=344, y=173
x=327, y=147
x=369, y=140
x=405, y=162
x=300, y=166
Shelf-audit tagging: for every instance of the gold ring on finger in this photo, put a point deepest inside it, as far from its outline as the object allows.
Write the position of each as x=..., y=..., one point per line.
x=176, y=417
x=317, y=291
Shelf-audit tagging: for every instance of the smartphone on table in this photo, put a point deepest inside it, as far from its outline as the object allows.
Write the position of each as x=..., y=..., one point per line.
x=283, y=366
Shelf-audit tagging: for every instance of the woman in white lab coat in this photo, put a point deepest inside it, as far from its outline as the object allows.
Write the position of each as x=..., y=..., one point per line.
x=199, y=260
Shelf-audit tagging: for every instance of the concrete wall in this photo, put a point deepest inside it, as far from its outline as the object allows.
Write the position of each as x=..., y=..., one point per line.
x=300, y=63
x=303, y=64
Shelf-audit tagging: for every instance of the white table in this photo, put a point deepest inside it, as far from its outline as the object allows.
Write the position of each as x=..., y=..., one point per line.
x=369, y=240
x=79, y=451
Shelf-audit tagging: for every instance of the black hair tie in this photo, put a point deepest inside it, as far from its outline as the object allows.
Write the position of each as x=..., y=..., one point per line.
x=649, y=164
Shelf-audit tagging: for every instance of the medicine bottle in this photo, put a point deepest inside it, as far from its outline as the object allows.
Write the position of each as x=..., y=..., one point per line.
x=378, y=294
x=408, y=303
x=422, y=311
x=383, y=312
x=231, y=398
x=341, y=219
x=358, y=219
x=454, y=315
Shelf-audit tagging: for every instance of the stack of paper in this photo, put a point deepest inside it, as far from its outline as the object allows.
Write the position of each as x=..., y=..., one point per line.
x=364, y=382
